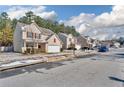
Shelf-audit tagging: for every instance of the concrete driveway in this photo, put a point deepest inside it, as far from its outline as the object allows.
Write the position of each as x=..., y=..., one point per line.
x=103, y=70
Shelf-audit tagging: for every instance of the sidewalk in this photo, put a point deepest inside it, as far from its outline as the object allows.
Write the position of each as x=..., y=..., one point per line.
x=35, y=59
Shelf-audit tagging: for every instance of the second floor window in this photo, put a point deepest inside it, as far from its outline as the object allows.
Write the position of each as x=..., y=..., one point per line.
x=54, y=40
x=33, y=35
x=70, y=39
x=29, y=34
x=39, y=36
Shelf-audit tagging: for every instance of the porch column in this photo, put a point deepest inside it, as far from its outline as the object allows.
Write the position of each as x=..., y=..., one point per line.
x=24, y=46
x=46, y=47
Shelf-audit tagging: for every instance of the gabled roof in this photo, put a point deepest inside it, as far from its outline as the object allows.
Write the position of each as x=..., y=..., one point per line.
x=80, y=39
x=43, y=31
x=63, y=34
x=56, y=36
x=49, y=37
x=46, y=31
x=28, y=27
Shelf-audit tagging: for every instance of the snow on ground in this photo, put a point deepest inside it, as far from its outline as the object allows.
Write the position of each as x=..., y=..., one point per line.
x=12, y=57
x=21, y=62
x=27, y=61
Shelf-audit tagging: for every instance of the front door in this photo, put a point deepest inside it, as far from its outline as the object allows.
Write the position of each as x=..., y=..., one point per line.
x=42, y=47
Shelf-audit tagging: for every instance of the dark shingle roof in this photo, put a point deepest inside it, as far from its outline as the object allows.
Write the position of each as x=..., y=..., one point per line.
x=46, y=31
x=80, y=39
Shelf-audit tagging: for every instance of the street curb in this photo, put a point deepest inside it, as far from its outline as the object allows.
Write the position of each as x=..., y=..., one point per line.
x=38, y=62
x=85, y=56
x=21, y=65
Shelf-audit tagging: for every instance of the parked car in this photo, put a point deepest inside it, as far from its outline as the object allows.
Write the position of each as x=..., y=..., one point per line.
x=103, y=49
x=116, y=45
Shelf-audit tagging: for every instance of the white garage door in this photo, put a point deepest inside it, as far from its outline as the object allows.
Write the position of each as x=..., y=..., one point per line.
x=53, y=49
x=78, y=47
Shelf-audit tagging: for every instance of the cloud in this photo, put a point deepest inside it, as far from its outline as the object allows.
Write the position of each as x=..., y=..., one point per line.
x=48, y=15
x=84, y=22
x=16, y=12
x=80, y=22
x=115, y=17
x=19, y=11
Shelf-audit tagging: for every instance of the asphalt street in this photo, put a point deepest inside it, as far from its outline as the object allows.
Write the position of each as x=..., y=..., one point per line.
x=102, y=70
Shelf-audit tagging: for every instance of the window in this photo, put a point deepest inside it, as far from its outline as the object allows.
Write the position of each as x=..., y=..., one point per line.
x=35, y=35
x=70, y=39
x=39, y=36
x=32, y=35
x=54, y=40
x=29, y=34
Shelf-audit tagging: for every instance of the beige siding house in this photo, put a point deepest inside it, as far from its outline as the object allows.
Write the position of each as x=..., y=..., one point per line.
x=67, y=40
x=34, y=37
x=84, y=42
x=54, y=44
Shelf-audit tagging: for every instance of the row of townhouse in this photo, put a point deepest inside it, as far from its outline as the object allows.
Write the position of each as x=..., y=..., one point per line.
x=44, y=40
